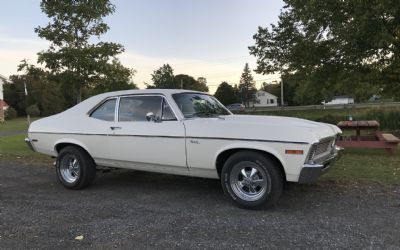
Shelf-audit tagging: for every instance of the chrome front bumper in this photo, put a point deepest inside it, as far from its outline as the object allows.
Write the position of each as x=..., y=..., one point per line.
x=310, y=172
x=30, y=145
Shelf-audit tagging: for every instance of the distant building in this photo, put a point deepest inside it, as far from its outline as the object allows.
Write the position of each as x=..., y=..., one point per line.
x=340, y=100
x=2, y=81
x=5, y=105
x=264, y=99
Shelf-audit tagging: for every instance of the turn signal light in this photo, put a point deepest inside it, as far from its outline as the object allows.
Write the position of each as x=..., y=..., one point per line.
x=293, y=152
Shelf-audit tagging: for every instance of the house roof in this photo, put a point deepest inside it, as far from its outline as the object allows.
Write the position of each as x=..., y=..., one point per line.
x=267, y=93
x=4, y=103
x=342, y=97
x=3, y=78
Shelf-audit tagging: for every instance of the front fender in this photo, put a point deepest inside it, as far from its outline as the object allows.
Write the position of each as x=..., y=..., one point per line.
x=254, y=146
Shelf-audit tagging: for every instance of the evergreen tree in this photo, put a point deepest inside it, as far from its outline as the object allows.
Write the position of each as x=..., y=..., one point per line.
x=247, y=86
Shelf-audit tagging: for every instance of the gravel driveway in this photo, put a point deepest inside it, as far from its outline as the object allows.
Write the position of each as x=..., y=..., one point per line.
x=128, y=209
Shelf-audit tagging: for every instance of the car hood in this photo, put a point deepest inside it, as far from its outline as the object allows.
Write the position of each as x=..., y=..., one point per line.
x=282, y=121
x=277, y=128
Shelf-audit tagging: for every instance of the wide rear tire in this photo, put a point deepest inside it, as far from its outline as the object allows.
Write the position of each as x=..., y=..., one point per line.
x=75, y=168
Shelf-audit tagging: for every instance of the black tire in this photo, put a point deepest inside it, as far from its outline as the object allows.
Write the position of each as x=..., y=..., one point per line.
x=86, y=166
x=267, y=169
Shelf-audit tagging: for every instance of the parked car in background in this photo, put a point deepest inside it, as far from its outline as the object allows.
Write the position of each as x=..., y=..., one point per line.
x=340, y=100
x=186, y=133
x=236, y=107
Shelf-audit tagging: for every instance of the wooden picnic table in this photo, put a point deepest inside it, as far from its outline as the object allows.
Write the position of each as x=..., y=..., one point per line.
x=373, y=139
x=358, y=126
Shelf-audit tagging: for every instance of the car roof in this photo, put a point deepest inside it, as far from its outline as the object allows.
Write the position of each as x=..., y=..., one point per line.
x=91, y=102
x=150, y=91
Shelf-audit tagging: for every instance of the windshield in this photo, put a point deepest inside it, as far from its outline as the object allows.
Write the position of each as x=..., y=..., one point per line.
x=199, y=105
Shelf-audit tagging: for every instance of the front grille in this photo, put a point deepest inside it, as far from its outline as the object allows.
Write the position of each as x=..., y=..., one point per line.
x=321, y=148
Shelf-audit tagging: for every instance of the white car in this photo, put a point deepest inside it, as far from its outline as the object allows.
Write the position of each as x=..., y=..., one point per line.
x=185, y=133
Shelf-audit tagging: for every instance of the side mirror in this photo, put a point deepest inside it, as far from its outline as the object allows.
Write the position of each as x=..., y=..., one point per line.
x=151, y=117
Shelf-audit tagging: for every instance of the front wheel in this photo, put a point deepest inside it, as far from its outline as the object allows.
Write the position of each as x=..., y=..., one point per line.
x=75, y=168
x=252, y=180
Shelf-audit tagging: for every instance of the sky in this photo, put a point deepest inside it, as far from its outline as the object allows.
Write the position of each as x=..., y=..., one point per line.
x=207, y=38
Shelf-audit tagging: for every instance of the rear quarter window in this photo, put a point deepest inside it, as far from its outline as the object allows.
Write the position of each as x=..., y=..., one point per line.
x=105, y=111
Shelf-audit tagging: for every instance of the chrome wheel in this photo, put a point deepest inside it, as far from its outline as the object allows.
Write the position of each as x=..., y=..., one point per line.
x=70, y=168
x=248, y=181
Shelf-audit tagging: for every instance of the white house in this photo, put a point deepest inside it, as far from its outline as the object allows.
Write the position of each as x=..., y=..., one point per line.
x=340, y=100
x=2, y=80
x=5, y=105
x=264, y=99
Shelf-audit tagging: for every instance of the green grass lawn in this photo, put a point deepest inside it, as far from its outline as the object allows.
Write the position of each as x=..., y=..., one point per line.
x=17, y=124
x=14, y=148
x=366, y=165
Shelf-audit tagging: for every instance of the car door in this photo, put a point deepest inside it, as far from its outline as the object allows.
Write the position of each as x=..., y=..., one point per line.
x=97, y=130
x=147, y=136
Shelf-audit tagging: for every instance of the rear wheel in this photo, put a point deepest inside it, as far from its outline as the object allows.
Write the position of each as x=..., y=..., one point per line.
x=75, y=168
x=252, y=180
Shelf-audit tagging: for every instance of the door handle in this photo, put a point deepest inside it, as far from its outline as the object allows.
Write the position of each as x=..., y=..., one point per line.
x=114, y=127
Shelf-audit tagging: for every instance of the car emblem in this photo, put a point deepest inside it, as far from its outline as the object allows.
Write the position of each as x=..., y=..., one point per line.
x=194, y=141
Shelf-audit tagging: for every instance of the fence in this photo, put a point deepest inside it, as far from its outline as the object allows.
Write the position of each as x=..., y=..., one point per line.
x=321, y=107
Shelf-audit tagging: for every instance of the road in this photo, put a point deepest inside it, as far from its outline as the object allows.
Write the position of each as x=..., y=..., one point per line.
x=137, y=210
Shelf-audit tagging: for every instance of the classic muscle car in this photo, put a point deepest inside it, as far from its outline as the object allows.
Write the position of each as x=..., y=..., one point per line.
x=185, y=133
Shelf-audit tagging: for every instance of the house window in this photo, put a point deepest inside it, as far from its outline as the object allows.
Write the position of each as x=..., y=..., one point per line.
x=271, y=101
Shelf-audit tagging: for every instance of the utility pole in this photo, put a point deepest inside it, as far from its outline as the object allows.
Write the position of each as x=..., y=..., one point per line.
x=28, y=117
x=1, y=102
x=181, y=83
x=282, y=92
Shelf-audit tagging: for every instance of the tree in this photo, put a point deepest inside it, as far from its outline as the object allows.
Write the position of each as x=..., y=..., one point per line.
x=118, y=78
x=47, y=95
x=247, y=86
x=341, y=47
x=236, y=91
x=33, y=110
x=163, y=78
x=272, y=88
x=226, y=94
x=71, y=58
x=188, y=82
x=202, y=84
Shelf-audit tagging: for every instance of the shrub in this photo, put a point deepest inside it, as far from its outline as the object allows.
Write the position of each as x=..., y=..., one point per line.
x=388, y=119
x=33, y=110
x=10, y=113
x=332, y=119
